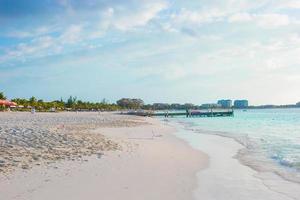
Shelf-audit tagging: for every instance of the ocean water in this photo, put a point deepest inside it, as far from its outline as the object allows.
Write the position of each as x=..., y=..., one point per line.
x=271, y=137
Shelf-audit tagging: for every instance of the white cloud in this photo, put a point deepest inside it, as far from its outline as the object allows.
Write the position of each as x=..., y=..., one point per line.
x=123, y=16
x=287, y=4
x=129, y=20
x=276, y=54
x=44, y=45
x=194, y=17
x=71, y=35
x=37, y=47
x=270, y=20
x=120, y=17
x=263, y=13
x=293, y=4
x=273, y=58
x=212, y=11
x=240, y=17
x=79, y=35
x=40, y=31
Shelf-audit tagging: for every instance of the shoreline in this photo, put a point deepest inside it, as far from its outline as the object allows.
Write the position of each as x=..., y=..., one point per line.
x=258, y=183
x=153, y=164
x=248, y=158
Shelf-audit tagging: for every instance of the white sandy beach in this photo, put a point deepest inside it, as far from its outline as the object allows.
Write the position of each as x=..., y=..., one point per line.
x=149, y=100
x=153, y=162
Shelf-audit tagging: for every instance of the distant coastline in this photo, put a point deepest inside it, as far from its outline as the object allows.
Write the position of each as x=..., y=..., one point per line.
x=73, y=104
x=275, y=106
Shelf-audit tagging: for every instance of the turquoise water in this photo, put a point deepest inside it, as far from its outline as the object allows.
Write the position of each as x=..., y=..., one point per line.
x=271, y=133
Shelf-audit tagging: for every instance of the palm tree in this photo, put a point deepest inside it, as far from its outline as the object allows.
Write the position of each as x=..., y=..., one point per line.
x=2, y=96
x=32, y=100
x=71, y=102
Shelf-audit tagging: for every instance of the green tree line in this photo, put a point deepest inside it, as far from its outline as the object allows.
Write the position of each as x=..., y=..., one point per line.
x=70, y=104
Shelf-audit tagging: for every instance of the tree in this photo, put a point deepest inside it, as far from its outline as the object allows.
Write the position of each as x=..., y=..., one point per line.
x=71, y=102
x=59, y=104
x=124, y=102
x=137, y=103
x=20, y=101
x=161, y=106
x=32, y=100
x=130, y=103
x=104, y=101
x=189, y=105
x=2, y=96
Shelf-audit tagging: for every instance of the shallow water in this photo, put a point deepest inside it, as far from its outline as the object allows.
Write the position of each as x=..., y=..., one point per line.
x=271, y=137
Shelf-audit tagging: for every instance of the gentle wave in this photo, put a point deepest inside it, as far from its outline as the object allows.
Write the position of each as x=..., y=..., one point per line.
x=254, y=156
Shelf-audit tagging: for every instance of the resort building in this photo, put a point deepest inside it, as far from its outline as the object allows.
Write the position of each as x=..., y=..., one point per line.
x=241, y=103
x=225, y=103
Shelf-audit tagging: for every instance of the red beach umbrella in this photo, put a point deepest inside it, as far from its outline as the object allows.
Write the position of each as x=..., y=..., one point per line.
x=7, y=103
x=2, y=102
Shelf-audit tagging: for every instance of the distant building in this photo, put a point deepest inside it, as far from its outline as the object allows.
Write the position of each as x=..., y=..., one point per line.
x=241, y=103
x=225, y=103
x=211, y=105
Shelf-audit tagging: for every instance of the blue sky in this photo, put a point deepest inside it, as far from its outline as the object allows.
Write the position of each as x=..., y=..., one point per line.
x=194, y=51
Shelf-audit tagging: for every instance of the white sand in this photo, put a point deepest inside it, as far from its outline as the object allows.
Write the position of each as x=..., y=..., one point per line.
x=154, y=164
x=28, y=139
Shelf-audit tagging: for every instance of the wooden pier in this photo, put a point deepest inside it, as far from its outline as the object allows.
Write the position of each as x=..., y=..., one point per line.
x=188, y=113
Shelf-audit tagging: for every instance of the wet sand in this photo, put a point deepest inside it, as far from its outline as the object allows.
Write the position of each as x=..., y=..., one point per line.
x=228, y=178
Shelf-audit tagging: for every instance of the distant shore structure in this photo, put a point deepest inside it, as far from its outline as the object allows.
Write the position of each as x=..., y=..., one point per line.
x=225, y=103
x=210, y=105
x=241, y=103
x=188, y=113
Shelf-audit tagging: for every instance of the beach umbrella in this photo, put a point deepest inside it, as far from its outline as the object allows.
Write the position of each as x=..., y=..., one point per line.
x=7, y=103
x=2, y=102
x=13, y=104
